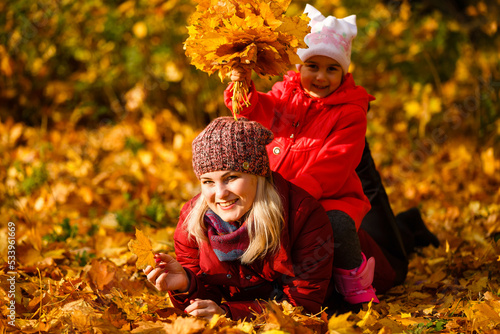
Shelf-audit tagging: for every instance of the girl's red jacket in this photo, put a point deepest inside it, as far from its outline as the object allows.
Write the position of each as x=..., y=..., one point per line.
x=317, y=143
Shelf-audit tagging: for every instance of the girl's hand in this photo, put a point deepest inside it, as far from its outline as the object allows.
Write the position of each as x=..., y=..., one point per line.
x=204, y=308
x=168, y=274
x=241, y=74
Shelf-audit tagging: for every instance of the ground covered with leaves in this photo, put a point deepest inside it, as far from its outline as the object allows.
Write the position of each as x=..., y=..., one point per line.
x=75, y=196
x=98, y=107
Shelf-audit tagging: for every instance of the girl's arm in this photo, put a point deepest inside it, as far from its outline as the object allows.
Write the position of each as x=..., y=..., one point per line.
x=262, y=107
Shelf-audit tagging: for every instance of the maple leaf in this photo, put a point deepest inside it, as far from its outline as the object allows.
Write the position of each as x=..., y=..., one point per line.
x=102, y=272
x=368, y=317
x=149, y=327
x=143, y=249
x=340, y=325
x=189, y=325
x=80, y=314
x=276, y=321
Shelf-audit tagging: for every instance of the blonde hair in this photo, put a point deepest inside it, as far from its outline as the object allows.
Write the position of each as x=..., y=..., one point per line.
x=264, y=222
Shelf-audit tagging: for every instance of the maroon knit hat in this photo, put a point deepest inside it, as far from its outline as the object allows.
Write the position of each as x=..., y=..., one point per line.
x=227, y=144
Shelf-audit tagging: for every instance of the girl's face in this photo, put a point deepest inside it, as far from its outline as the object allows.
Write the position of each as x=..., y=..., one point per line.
x=229, y=194
x=320, y=76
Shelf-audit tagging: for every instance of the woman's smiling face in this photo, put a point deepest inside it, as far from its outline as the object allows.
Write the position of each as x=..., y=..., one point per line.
x=229, y=194
x=320, y=76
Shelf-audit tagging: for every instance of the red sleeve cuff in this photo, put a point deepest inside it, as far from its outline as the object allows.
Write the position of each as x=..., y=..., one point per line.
x=181, y=298
x=226, y=309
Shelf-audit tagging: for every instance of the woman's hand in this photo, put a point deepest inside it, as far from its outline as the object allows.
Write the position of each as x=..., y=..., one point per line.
x=168, y=274
x=204, y=308
x=241, y=74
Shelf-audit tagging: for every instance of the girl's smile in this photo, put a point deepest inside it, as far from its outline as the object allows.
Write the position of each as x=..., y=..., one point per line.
x=320, y=76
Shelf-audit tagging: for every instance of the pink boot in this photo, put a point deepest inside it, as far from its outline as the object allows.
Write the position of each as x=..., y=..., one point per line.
x=356, y=284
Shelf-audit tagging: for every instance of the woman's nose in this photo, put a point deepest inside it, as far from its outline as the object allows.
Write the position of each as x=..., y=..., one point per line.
x=221, y=190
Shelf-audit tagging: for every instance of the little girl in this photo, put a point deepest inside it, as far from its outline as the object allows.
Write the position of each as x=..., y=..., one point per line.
x=318, y=117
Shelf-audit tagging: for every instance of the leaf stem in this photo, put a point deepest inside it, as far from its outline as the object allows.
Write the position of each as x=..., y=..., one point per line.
x=239, y=98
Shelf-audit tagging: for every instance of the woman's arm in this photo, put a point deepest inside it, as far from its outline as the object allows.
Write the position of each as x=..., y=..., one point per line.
x=312, y=250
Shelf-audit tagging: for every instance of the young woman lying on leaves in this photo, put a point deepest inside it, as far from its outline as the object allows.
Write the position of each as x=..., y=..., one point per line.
x=249, y=236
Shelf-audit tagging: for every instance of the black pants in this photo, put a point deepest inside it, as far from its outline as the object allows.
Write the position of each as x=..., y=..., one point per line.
x=380, y=222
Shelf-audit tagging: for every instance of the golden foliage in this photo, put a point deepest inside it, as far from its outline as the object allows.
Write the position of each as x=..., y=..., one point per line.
x=76, y=194
x=88, y=272
x=339, y=324
x=143, y=249
x=253, y=34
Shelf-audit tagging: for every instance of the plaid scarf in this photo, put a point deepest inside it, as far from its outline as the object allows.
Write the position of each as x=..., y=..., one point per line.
x=229, y=240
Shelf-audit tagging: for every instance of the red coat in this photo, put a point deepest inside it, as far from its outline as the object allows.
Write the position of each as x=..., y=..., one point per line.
x=317, y=142
x=302, y=266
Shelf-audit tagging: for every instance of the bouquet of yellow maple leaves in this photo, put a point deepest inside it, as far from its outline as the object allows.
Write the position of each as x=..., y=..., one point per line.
x=252, y=34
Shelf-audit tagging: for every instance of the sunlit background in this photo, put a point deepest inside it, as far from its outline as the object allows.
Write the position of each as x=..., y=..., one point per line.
x=99, y=105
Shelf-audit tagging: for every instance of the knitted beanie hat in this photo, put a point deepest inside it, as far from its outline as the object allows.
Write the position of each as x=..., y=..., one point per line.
x=329, y=37
x=227, y=144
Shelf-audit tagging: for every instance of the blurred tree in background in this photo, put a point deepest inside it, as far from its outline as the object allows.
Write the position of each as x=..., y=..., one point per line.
x=94, y=61
x=91, y=62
